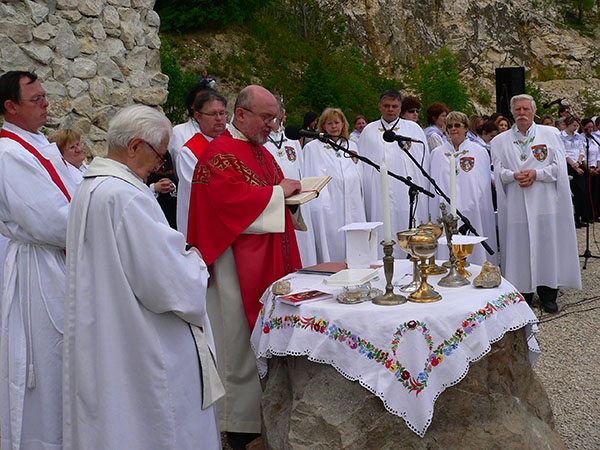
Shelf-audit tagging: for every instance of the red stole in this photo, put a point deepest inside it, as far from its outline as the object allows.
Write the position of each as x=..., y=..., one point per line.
x=197, y=144
x=46, y=163
x=231, y=187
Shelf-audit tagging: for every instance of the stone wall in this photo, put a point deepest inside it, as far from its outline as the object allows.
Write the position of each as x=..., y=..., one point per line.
x=91, y=56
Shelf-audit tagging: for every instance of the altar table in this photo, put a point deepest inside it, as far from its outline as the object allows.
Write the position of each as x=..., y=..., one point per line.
x=406, y=355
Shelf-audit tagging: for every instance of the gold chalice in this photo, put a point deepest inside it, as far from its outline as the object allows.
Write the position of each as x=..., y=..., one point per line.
x=403, y=237
x=437, y=229
x=423, y=244
x=462, y=251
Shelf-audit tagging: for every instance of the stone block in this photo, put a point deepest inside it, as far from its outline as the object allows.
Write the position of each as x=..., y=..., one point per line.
x=83, y=105
x=128, y=34
x=87, y=45
x=110, y=17
x=499, y=404
x=44, y=32
x=54, y=88
x=136, y=59
x=159, y=79
x=115, y=49
x=121, y=96
x=67, y=4
x=12, y=57
x=43, y=72
x=152, y=40
x=142, y=3
x=138, y=79
x=66, y=44
x=97, y=30
x=69, y=15
x=76, y=87
x=151, y=96
x=120, y=3
x=84, y=68
x=58, y=107
x=37, y=11
x=19, y=32
x=39, y=52
x=153, y=19
x=77, y=122
x=101, y=89
x=96, y=134
x=108, y=68
x=90, y=8
x=103, y=116
x=153, y=63
x=113, y=32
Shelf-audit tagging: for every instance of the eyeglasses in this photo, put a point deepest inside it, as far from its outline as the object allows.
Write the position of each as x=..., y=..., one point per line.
x=454, y=125
x=414, y=110
x=38, y=99
x=162, y=160
x=268, y=120
x=213, y=115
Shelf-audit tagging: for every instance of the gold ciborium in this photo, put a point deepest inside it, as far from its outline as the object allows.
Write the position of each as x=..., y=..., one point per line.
x=462, y=251
x=423, y=244
x=403, y=237
x=437, y=229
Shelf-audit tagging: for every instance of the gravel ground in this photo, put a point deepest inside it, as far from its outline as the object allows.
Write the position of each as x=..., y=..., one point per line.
x=567, y=365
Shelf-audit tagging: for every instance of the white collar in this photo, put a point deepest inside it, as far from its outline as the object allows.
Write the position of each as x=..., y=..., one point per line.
x=109, y=167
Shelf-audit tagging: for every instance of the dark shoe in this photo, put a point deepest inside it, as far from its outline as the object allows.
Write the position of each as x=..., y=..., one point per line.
x=528, y=298
x=550, y=306
x=579, y=224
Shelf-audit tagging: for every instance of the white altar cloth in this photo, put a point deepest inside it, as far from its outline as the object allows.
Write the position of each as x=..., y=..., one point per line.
x=406, y=355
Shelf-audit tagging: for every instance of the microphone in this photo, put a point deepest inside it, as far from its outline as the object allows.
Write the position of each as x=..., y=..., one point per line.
x=390, y=136
x=294, y=132
x=553, y=102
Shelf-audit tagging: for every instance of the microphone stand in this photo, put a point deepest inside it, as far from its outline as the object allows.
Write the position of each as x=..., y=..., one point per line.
x=587, y=254
x=366, y=160
x=438, y=190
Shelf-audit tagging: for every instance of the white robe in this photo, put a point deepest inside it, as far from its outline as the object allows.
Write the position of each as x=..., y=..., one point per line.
x=289, y=156
x=131, y=372
x=372, y=145
x=181, y=134
x=340, y=203
x=33, y=215
x=536, y=225
x=473, y=194
x=186, y=164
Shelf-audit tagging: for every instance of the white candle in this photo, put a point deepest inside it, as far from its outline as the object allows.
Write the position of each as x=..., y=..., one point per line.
x=452, y=161
x=385, y=198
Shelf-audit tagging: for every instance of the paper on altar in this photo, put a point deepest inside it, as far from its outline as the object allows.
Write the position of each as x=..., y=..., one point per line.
x=361, y=244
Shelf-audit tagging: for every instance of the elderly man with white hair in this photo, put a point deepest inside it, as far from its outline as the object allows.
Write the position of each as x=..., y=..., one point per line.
x=138, y=370
x=535, y=220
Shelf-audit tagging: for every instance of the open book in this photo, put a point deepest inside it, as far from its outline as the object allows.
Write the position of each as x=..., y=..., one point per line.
x=310, y=189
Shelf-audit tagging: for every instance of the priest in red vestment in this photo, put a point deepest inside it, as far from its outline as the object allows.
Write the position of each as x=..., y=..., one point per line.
x=239, y=221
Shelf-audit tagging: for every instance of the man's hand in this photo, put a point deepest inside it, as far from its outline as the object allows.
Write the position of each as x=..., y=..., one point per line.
x=290, y=187
x=525, y=177
x=164, y=186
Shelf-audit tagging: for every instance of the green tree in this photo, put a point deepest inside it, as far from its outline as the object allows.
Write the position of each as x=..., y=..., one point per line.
x=435, y=79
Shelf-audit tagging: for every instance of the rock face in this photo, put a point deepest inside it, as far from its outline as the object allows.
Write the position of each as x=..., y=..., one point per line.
x=499, y=404
x=92, y=57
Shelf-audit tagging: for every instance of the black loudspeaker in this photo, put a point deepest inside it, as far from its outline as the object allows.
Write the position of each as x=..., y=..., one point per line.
x=510, y=81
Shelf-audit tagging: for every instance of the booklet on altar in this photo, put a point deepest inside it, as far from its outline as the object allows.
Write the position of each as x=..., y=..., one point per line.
x=300, y=298
x=311, y=186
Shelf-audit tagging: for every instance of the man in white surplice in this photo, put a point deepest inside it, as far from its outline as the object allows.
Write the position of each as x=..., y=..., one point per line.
x=372, y=145
x=138, y=367
x=34, y=202
x=538, y=244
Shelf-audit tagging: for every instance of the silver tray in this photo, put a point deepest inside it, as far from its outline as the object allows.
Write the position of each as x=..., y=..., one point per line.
x=368, y=296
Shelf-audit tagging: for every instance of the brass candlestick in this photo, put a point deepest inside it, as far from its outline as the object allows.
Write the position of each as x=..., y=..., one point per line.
x=423, y=244
x=389, y=298
x=454, y=278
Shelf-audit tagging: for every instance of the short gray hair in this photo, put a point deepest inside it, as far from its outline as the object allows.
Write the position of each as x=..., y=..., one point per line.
x=138, y=121
x=520, y=97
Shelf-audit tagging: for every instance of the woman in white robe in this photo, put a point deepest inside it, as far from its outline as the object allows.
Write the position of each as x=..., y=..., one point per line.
x=69, y=144
x=473, y=186
x=341, y=202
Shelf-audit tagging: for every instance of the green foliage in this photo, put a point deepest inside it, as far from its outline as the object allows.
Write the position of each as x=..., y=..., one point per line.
x=482, y=95
x=551, y=72
x=179, y=83
x=533, y=89
x=184, y=15
x=436, y=80
x=591, y=101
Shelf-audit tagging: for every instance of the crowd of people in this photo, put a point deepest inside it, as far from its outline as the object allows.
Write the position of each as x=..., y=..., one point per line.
x=111, y=334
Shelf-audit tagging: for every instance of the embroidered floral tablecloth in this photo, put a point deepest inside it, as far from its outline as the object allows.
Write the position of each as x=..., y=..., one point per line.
x=406, y=354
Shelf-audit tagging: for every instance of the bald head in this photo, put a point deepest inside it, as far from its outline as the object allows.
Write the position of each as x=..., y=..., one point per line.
x=256, y=111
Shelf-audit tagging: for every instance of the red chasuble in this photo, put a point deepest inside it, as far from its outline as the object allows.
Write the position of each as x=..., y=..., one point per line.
x=231, y=187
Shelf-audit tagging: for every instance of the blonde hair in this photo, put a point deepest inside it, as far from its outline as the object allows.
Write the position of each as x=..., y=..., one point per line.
x=329, y=114
x=457, y=116
x=63, y=138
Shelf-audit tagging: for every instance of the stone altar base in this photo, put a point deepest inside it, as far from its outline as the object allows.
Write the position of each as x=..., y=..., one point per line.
x=499, y=404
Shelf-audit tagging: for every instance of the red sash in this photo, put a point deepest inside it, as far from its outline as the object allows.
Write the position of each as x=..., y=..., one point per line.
x=46, y=163
x=196, y=144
